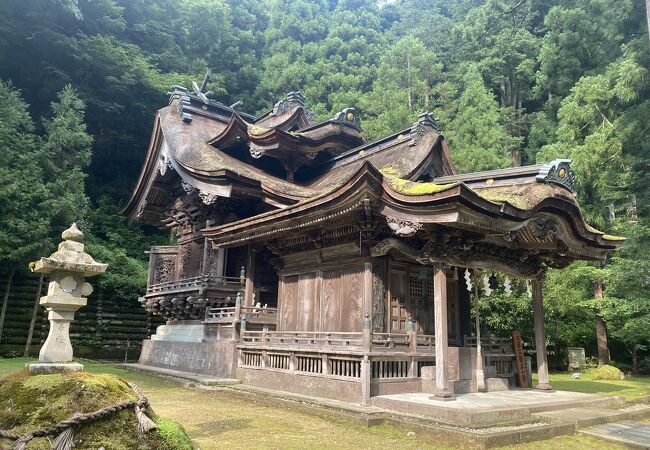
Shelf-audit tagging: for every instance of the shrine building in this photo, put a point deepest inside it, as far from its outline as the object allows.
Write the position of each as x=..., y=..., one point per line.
x=311, y=261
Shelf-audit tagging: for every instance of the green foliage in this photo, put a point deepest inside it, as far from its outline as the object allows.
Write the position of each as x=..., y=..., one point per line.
x=477, y=138
x=540, y=79
x=173, y=435
x=23, y=222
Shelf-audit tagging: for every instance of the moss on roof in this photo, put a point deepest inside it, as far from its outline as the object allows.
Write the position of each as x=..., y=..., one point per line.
x=256, y=130
x=505, y=194
x=407, y=187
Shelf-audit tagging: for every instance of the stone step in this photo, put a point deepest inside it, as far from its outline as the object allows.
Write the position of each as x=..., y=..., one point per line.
x=588, y=416
x=630, y=433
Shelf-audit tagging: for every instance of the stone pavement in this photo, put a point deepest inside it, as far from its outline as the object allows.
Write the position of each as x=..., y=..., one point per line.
x=630, y=433
x=491, y=408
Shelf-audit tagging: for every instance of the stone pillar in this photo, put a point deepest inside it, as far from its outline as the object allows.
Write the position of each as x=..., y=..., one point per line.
x=480, y=375
x=366, y=376
x=540, y=337
x=440, y=317
x=367, y=332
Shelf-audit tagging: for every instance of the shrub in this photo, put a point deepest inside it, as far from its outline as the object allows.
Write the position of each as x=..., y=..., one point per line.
x=606, y=373
x=591, y=362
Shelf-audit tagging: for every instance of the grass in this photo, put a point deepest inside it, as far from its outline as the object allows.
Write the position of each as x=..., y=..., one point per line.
x=631, y=388
x=228, y=419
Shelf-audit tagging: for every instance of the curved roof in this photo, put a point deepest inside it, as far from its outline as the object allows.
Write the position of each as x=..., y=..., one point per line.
x=193, y=141
x=489, y=211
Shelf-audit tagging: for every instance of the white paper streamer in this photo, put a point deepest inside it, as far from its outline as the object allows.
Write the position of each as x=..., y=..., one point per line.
x=486, y=285
x=529, y=289
x=507, y=287
x=468, y=280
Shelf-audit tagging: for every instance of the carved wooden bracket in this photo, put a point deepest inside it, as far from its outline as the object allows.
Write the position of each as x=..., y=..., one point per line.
x=403, y=227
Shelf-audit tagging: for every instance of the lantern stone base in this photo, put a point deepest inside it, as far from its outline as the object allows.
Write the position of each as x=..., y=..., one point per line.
x=48, y=368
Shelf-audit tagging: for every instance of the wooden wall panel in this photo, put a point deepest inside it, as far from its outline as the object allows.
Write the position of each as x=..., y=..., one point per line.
x=288, y=292
x=342, y=300
x=351, y=300
x=307, y=310
x=329, y=293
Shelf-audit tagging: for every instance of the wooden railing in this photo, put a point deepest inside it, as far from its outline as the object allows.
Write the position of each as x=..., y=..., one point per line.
x=331, y=364
x=491, y=344
x=236, y=313
x=302, y=339
x=196, y=283
x=403, y=341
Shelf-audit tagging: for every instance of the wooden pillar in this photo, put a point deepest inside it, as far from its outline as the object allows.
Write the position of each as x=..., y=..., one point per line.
x=250, y=278
x=367, y=289
x=440, y=317
x=540, y=337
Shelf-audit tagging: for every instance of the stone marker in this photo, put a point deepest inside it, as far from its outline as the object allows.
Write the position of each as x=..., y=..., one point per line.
x=66, y=293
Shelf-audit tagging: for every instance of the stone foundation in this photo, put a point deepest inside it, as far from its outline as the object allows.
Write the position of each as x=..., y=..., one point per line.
x=214, y=358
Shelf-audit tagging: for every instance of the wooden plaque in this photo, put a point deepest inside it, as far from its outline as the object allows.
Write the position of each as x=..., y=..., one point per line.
x=519, y=356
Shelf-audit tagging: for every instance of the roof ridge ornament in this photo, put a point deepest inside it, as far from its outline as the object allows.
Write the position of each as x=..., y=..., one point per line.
x=348, y=116
x=558, y=172
x=292, y=100
x=198, y=90
x=426, y=122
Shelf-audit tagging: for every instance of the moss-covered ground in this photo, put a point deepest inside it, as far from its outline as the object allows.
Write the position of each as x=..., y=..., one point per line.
x=631, y=388
x=226, y=419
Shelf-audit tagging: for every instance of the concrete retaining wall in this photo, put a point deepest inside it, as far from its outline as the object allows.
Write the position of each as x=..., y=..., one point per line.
x=317, y=386
x=217, y=358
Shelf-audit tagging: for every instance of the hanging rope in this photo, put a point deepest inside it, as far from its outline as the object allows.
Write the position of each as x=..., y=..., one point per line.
x=64, y=430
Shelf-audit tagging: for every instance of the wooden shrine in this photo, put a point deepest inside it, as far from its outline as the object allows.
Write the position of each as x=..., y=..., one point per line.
x=311, y=261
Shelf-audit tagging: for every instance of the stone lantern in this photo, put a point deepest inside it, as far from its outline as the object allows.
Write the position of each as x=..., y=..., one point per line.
x=66, y=293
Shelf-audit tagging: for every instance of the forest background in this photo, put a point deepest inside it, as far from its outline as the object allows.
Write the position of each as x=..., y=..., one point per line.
x=512, y=81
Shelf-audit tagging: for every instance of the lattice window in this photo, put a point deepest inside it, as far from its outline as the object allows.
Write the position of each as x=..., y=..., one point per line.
x=416, y=286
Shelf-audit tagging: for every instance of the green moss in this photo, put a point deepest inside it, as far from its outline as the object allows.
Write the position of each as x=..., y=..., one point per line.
x=256, y=130
x=606, y=373
x=609, y=237
x=173, y=434
x=407, y=187
x=29, y=402
x=504, y=195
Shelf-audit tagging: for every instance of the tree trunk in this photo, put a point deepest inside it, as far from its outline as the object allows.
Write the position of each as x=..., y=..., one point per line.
x=5, y=300
x=635, y=361
x=30, y=334
x=601, y=329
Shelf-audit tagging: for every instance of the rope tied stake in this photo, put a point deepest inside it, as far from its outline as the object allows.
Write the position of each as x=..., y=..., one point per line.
x=64, y=430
